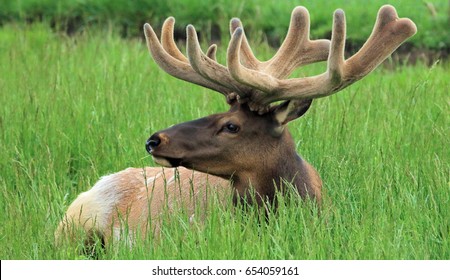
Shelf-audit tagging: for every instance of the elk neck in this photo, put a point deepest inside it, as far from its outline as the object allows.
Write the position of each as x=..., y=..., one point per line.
x=277, y=169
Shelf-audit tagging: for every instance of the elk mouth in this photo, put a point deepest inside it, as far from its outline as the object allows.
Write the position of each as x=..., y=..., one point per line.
x=162, y=160
x=167, y=161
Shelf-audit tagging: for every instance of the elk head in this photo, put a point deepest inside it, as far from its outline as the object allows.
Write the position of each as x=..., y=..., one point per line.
x=220, y=143
x=250, y=142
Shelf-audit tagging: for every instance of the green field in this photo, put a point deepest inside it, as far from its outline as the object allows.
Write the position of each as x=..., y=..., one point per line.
x=75, y=108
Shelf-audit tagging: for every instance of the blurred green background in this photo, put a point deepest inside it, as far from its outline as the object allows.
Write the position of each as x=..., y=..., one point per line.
x=267, y=18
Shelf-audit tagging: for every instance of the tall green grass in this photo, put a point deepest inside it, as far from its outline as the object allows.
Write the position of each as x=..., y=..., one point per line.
x=73, y=109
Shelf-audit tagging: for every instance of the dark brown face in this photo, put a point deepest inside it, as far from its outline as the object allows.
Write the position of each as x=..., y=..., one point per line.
x=219, y=144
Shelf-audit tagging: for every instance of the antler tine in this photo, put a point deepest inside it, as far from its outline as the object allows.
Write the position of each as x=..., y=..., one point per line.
x=253, y=78
x=297, y=49
x=168, y=42
x=172, y=60
x=208, y=68
x=388, y=33
x=211, y=52
x=248, y=58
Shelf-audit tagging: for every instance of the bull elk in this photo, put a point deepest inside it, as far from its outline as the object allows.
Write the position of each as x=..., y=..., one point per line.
x=249, y=147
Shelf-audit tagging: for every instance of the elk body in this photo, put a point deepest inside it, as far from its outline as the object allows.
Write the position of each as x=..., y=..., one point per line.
x=248, y=148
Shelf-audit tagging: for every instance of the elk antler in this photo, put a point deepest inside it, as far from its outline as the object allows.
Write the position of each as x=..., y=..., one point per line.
x=170, y=59
x=204, y=70
x=388, y=34
x=297, y=49
x=167, y=55
x=261, y=83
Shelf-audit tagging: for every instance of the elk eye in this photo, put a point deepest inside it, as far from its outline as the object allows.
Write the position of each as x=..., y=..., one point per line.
x=231, y=128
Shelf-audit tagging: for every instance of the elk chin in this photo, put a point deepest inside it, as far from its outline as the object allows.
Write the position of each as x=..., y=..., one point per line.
x=167, y=162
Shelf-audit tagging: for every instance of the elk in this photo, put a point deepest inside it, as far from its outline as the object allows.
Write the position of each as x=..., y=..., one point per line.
x=248, y=148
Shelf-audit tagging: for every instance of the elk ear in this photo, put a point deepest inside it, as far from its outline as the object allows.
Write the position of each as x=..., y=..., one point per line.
x=290, y=110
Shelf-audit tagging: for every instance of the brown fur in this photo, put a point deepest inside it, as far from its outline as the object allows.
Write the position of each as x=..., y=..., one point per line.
x=135, y=198
x=260, y=157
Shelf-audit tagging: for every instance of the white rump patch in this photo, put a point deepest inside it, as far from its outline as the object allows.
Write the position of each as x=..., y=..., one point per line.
x=119, y=233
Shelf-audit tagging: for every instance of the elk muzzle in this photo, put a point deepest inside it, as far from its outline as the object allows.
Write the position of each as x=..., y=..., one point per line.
x=157, y=140
x=152, y=143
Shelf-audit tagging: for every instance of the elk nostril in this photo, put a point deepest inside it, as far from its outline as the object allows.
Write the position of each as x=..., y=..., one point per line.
x=152, y=143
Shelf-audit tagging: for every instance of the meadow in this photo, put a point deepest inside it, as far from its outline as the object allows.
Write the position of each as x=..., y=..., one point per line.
x=76, y=108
